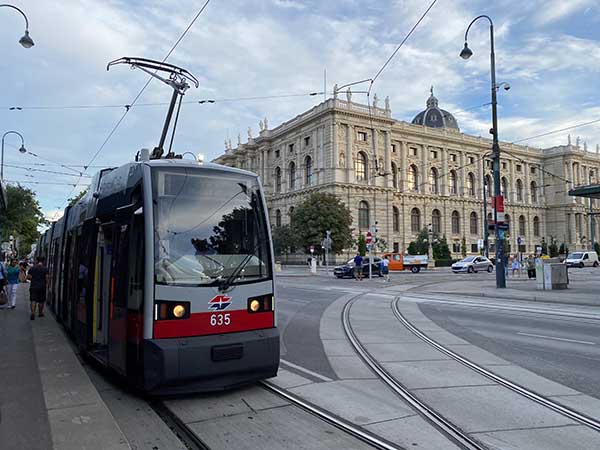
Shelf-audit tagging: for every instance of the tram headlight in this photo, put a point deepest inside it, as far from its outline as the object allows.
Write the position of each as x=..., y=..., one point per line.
x=179, y=311
x=254, y=305
x=262, y=303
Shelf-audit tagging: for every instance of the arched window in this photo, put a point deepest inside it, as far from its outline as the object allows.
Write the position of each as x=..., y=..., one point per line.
x=433, y=181
x=519, y=191
x=522, y=226
x=308, y=178
x=292, y=175
x=455, y=222
x=278, y=218
x=360, y=167
x=363, y=215
x=489, y=186
x=505, y=188
x=394, y=176
x=415, y=220
x=452, y=183
x=536, y=226
x=278, y=179
x=395, y=219
x=413, y=178
x=473, y=225
x=436, y=221
x=534, y=194
x=471, y=184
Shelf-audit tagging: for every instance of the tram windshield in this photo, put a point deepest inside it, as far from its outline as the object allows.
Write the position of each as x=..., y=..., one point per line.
x=209, y=228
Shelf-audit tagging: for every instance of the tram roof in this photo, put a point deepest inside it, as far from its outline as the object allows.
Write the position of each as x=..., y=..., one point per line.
x=191, y=163
x=589, y=191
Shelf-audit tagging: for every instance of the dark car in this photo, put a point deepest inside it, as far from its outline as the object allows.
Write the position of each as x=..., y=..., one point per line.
x=347, y=270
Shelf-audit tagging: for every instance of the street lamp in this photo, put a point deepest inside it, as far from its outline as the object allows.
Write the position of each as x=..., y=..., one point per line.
x=25, y=40
x=22, y=149
x=466, y=53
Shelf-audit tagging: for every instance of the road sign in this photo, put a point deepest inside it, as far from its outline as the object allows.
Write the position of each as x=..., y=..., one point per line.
x=503, y=226
x=369, y=238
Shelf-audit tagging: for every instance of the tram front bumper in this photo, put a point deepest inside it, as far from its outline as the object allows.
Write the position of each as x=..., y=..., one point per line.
x=210, y=363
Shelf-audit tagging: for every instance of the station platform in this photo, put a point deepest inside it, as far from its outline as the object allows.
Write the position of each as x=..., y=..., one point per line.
x=47, y=400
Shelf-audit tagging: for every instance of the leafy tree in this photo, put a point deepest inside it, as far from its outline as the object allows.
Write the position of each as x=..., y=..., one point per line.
x=381, y=245
x=22, y=218
x=563, y=250
x=544, y=246
x=362, y=245
x=284, y=240
x=420, y=245
x=441, y=251
x=553, y=248
x=597, y=247
x=463, y=247
x=74, y=199
x=317, y=214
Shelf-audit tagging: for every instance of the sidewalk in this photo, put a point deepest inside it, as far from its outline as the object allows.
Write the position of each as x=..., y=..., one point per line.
x=584, y=288
x=47, y=400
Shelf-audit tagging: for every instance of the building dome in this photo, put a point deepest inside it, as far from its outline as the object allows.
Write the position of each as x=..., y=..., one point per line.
x=435, y=117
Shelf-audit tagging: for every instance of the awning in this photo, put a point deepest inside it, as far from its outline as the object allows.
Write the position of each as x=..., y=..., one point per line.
x=589, y=191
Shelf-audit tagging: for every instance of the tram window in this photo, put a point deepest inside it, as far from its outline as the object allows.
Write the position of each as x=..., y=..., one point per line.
x=208, y=228
x=136, y=273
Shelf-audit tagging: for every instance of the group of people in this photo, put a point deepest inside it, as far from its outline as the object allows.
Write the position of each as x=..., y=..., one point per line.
x=513, y=263
x=384, y=267
x=13, y=273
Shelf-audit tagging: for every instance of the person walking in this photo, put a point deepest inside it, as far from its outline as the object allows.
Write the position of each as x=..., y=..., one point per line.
x=531, y=266
x=3, y=283
x=358, y=261
x=515, y=265
x=12, y=276
x=38, y=275
x=385, y=268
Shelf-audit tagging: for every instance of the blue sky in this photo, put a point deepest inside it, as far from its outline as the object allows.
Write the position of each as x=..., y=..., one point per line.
x=549, y=51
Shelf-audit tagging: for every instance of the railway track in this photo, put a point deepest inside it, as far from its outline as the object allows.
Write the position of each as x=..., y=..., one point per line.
x=443, y=425
x=531, y=395
x=178, y=427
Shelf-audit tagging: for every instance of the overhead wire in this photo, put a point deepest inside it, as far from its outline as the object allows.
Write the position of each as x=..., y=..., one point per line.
x=29, y=169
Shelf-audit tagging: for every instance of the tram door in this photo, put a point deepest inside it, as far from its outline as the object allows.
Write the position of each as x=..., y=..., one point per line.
x=119, y=274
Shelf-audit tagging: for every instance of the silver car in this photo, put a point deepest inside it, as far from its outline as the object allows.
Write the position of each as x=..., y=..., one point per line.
x=472, y=264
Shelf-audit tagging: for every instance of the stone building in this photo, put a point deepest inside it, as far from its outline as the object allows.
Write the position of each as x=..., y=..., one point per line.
x=408, y=175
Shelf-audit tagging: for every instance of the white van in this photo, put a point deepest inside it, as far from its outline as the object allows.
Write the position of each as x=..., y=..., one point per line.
x=582, y=259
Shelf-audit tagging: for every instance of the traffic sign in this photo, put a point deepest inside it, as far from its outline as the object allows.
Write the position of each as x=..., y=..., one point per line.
x=369, y=238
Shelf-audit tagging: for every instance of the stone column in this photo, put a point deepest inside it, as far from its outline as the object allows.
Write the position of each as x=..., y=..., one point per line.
x=322, y=174
x=446, y=176
x=424, y=178
x=284, y=168
x=571, y=180
x=527, y=187
x=386, y=159
x=402, y=166
x=479, y=164
x=460, y=173
x=372, y=174
x=349, y=160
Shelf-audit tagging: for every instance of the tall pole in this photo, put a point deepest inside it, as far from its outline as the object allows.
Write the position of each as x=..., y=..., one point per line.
x=486, y=240
x=22, y=150
x=499, y=234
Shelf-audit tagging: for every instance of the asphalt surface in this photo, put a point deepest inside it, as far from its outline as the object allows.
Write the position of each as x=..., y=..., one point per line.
x=562, y=349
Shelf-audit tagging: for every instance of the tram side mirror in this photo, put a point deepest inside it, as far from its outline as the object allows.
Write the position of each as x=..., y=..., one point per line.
x=139, y=211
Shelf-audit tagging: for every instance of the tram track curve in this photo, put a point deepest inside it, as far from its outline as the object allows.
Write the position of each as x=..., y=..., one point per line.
x=515, y=387
x=185, y=434
x=443, y=425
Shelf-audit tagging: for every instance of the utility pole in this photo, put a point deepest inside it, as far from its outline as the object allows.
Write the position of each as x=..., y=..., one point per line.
x=486, y=232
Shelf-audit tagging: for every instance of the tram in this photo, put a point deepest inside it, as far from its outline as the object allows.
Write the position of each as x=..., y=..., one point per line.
x=163, y=272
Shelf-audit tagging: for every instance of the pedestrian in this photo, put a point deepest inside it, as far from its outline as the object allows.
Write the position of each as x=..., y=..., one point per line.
x=358, y=262
x=3, y=283
x=12, y=276
x=23, y=271
x=385, y=268
x=38, y=275
x=531, y=266
x=515, y=265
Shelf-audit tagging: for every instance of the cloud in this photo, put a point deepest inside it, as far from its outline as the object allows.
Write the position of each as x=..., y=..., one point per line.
x=553, y=10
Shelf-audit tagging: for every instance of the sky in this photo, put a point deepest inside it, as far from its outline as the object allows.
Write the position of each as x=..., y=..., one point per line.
x=548, y=50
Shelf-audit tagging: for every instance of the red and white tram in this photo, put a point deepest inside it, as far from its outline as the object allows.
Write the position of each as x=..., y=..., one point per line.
x=163, y=272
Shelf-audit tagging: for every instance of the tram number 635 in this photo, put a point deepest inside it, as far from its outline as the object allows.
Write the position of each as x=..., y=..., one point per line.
x=220, y=319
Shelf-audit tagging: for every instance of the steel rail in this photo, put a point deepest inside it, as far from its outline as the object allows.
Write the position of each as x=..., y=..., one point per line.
x=181, y=430
x=353, y=430
x=447, y=428
x=567, y=412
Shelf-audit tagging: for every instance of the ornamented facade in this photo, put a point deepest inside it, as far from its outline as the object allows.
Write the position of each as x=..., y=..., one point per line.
x=408, y=175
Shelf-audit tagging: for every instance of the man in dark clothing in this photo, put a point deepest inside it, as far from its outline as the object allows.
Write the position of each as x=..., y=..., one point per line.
x=358, y=261
x=38, y=275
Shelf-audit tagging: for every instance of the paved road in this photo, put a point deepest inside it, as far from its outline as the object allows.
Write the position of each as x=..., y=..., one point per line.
x=566, y=350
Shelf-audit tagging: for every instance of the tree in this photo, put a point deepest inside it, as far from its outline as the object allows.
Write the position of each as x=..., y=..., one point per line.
x=284, y=241
x=463, y=247
x=420, y=245
x=441, y=251
x=381, y=245
x=553, y=248
x=362, y=245
x=317, y=214
x=22, y=218
x=76, y=198
x=563, y=250
x=597, y=247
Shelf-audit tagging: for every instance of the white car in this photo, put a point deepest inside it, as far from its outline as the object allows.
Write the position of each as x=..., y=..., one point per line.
x=582, y=259
x=472, y=264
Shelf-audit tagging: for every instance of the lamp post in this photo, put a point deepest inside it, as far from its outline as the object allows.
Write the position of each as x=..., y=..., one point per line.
x=466, y=53
x=22, y=150
x=486, y=232
x=25, y=40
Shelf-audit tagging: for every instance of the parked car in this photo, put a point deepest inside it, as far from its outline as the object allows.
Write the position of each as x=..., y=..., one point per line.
x=582, y=259
x=472, y=264
x=414, y=263
x=347, y=270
